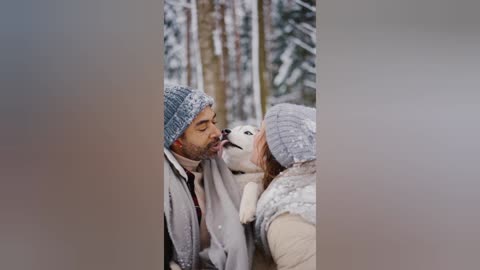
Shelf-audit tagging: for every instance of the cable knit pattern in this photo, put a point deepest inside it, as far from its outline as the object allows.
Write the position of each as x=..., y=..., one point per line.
x=182, y=105
x=291, y=131
x=292, y=191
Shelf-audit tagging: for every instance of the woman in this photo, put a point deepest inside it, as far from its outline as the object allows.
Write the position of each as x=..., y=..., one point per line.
x=285, y=217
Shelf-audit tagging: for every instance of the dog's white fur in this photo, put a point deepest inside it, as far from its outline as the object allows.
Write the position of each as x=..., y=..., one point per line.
x=174, y=266
x=239, y=160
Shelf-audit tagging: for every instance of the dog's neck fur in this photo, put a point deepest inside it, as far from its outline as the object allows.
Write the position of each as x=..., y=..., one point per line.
x=242, y=165
x=243, y=179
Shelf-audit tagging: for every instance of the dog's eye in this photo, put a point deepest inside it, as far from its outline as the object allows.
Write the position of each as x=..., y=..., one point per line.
x=248, y=133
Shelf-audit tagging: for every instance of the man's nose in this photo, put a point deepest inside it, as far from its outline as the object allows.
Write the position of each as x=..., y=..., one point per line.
x=225, y=132
x=216, y=133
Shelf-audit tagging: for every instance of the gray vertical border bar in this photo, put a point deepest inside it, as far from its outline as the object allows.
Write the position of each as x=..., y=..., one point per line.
x=81, y=159
x=160, y=120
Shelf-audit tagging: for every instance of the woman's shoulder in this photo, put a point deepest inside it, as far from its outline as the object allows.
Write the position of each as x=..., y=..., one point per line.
x=290, y=222
x=291, y=240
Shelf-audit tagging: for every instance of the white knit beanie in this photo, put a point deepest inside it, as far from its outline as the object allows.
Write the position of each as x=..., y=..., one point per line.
x=291, y=131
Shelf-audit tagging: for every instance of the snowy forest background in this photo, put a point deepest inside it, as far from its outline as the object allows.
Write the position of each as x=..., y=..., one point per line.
x=247, y=54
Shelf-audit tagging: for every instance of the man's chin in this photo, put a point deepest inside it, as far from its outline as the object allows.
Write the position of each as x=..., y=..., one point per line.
x=212, y=153
x=208, y=154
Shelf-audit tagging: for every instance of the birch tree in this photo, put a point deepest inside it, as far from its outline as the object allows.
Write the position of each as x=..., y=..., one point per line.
x=196, y=42
x=188, y=25
x=238, y=64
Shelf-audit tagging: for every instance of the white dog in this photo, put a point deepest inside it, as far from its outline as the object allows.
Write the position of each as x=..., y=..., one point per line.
x=237, y=150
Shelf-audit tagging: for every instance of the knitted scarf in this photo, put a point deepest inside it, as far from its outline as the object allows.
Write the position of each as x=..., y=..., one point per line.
x=231, y=243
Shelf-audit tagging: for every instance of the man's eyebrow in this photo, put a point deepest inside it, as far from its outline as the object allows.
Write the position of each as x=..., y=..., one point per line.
x=201, y=122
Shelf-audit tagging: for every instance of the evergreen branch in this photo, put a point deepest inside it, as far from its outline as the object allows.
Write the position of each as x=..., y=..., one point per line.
x=305, y=46
x=182, y=4
x=305, y=5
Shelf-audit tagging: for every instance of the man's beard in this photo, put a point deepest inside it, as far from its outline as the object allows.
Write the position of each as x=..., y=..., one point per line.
x=195, y=152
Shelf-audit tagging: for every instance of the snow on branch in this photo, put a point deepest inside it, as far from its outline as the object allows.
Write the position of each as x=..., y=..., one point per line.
x=309, y=27
x=305, y=46
x=305, y=5
x=182, y=4
x=287, y=61
x=308, y=67
x=310, y=84
x=309, y=31
x=294, y=76
x=177, y=49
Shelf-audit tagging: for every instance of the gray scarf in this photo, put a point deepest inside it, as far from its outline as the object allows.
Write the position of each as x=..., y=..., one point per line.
x=231, y=243
x=292, y=191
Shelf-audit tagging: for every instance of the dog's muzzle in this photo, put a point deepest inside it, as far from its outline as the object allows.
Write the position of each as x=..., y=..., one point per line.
x=227, y=143
x=230, y=144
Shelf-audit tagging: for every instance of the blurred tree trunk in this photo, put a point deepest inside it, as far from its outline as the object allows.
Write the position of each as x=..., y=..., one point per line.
x=209, y=60
x=196, y=47
x=268, y=43
x=238, y=66
x=262, y=56
x=222, y=92
x=256, y=60
x=188, y=14
x=259, y=58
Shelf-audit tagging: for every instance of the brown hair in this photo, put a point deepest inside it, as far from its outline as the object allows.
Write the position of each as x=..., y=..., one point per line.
x=269, y=164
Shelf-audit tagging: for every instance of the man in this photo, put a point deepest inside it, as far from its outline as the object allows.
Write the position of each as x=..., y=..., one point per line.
x=201, y=199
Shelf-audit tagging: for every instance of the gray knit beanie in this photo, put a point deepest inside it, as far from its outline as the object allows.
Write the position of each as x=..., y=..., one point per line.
x=182, y=105
x=291, y=131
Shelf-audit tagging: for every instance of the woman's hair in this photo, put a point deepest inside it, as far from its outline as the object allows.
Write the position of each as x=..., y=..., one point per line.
x=269, y=164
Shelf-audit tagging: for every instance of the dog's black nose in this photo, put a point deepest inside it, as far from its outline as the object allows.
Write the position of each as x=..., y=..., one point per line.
x=226, y=131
